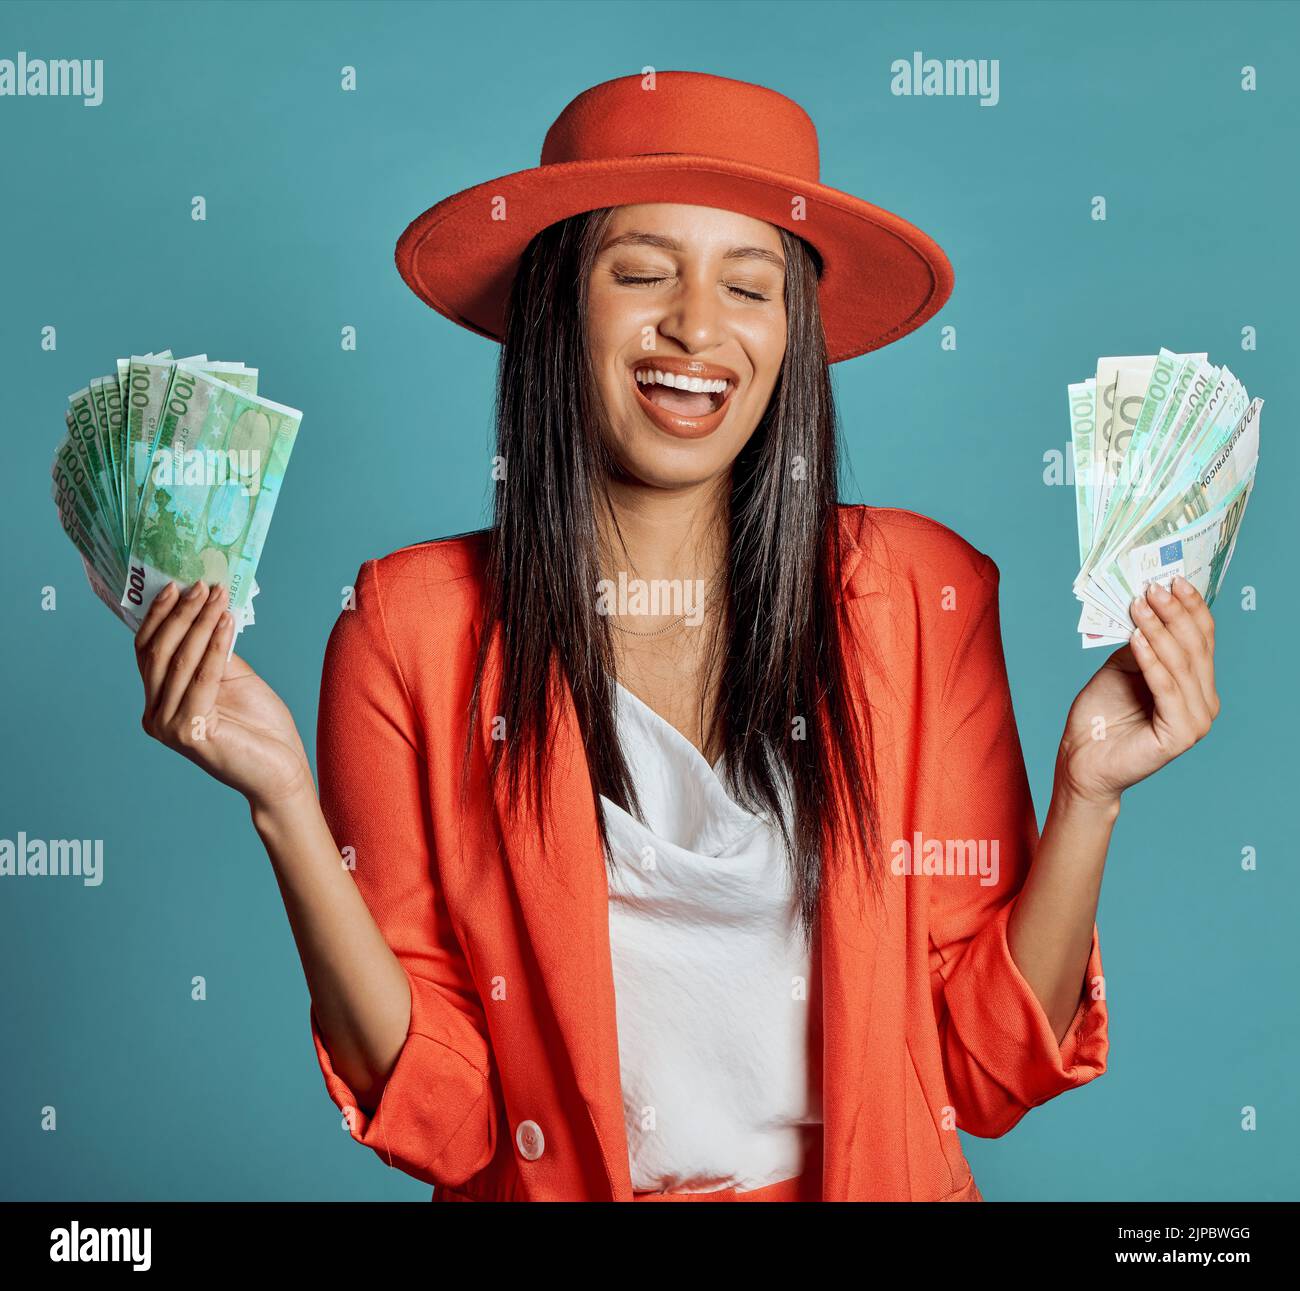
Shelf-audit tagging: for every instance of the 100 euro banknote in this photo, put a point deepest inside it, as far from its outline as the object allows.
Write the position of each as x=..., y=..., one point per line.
x=1199, y=553
x=1165, y=448
x=216, y=465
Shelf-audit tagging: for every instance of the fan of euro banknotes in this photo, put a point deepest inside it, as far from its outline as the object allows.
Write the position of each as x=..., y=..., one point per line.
x=170, y=470
x=1165, y=449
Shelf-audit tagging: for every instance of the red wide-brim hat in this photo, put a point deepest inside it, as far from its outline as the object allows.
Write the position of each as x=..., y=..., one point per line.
x=699, y=140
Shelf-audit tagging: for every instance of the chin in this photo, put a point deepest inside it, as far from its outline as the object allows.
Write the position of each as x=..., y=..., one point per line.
x=657, y=461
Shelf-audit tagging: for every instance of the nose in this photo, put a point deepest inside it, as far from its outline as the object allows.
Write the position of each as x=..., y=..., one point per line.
x=693, y=317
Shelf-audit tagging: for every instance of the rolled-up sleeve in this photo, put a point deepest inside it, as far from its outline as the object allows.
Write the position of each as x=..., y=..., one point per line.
x=436, y=1116
x=1000, y=1053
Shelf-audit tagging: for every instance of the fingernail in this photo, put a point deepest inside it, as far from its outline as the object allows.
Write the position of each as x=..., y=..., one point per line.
x=226, y=619
x=1159, y=592
x=1181, y=584
x=1140, y=606
x=195, y=591
x=171, y=589
x=215, y=592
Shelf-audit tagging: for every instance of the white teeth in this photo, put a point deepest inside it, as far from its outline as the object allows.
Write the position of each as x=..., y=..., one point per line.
x=696, y=385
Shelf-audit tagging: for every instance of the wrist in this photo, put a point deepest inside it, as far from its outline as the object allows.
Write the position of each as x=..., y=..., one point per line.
x=276, y=816
x=1073, y=804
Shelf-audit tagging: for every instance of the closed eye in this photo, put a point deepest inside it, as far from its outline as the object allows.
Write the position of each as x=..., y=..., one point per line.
x=628, y=280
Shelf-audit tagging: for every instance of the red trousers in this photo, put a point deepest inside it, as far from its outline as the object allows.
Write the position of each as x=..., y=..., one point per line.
x=806, y=1186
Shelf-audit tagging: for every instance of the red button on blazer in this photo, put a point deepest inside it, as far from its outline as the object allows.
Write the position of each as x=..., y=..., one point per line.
x=508, y=1086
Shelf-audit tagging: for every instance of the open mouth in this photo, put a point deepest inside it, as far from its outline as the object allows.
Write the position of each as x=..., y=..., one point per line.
x=688, y=397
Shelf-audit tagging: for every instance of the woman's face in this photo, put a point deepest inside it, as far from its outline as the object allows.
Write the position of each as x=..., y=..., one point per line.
x=674, y=287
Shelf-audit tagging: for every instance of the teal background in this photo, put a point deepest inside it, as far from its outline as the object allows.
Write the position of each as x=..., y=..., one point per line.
x=307, y=189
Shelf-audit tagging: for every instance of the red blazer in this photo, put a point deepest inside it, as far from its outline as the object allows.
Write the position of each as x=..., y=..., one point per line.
x=508, y=1086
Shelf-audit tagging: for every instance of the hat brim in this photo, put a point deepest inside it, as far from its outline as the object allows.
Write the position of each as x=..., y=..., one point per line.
x=882, y=277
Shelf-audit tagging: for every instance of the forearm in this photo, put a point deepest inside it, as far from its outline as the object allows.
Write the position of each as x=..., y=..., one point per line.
x=1049, y=933
x=359, y=990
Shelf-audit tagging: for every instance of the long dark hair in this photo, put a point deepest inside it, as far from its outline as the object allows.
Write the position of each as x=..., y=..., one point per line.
x=791, y=718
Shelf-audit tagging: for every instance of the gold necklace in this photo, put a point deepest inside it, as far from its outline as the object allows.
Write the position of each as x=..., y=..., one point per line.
x=658, y=632
x=668, y=627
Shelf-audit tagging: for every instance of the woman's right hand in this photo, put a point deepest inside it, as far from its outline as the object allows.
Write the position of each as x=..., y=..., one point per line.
x=220, y=714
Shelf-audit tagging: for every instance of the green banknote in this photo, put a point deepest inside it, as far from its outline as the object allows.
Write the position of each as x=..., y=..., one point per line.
x=1199, y=552
x=170, y=469
x=1172, y=443
x=214, y=477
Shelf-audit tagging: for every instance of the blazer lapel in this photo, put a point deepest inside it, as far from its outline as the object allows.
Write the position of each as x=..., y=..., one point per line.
x=559, y=878
x=849, y=943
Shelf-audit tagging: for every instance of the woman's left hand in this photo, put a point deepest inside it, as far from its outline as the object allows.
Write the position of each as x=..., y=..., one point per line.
x=1150, y=701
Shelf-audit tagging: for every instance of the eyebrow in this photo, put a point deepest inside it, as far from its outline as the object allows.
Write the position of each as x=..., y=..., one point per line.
x=639, y=239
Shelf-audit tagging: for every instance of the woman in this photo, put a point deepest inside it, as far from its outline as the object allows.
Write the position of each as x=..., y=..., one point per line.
x=816, y=946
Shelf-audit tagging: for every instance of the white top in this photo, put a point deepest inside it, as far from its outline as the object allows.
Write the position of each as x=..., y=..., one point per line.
x=714, y=990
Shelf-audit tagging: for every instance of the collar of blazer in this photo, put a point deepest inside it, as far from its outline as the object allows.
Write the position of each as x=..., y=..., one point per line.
x=559, y=878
